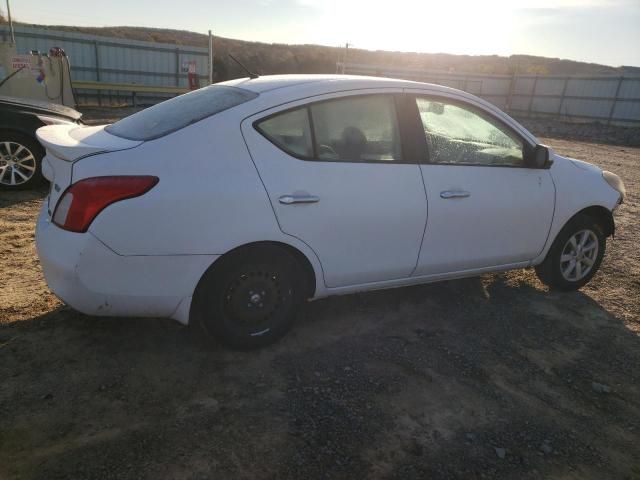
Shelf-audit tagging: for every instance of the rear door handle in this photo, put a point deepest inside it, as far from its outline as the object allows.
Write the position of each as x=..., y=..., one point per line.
x=291, y=199
x=454, y=194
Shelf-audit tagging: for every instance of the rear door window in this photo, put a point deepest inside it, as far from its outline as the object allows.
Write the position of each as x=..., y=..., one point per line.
x=354, y=129
x=357, y=129
x=178, y=112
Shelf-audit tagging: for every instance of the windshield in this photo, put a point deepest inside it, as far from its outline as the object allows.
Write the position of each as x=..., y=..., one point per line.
x=178, y=112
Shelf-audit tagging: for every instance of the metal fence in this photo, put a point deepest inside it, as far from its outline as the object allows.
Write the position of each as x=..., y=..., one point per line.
x=114, y=61
x=602, y=98
x=607, y=99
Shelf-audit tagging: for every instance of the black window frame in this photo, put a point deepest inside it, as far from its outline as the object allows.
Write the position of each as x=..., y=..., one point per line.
x=404, y=119
x=528, y=147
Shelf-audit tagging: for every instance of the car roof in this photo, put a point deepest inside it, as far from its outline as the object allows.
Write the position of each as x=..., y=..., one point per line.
x=269, y=83
x=276, y=89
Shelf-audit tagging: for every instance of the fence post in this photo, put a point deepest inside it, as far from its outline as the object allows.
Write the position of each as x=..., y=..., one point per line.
x=615, y=100
x=512, y=87
x=564, y=92
x=210, y=59
x=177, y=67
x=97, y=56
x=533, y=94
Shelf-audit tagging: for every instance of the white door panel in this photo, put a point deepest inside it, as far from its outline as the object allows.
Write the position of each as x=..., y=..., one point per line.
x=368, y=222
x=365, y=221
x=503, y=216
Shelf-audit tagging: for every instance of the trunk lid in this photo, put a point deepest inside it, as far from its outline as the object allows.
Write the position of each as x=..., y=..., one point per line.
x=66, y=144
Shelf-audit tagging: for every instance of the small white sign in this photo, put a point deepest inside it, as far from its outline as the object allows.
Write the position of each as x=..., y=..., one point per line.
x=21, y=61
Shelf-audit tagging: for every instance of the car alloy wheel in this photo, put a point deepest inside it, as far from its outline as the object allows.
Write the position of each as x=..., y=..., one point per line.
x=17, y=164
x=579, y=255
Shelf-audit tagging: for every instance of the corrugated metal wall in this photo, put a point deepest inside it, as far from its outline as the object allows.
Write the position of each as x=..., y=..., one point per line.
x=105, y=59
x=607, y=99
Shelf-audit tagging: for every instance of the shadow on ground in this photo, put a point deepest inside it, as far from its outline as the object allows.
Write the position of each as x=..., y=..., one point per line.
x=487, y=377
x=16, y=197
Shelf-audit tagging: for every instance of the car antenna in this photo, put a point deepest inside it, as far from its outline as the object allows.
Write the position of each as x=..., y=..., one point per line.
x=249, y=72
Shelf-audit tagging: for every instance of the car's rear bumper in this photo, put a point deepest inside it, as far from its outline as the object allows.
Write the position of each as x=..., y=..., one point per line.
x=91, y=278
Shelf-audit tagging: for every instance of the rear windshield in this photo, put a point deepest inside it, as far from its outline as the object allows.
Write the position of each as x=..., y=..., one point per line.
x=178, y=112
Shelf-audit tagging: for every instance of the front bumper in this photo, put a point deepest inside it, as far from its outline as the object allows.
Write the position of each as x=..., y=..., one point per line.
x=91, y=278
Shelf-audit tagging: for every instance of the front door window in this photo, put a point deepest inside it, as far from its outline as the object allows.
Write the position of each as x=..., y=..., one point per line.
x=459, y=135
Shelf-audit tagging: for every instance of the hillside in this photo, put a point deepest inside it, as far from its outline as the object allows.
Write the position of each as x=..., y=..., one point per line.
x=265, y=58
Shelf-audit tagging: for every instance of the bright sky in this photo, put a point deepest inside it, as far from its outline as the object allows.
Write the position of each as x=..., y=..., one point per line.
x=601, y=31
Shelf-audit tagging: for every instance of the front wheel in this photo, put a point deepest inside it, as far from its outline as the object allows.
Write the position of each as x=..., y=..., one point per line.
x=250, y=299
x=575, y=256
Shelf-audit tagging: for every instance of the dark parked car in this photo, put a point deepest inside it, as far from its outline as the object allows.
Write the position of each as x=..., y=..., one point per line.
x=20, y=153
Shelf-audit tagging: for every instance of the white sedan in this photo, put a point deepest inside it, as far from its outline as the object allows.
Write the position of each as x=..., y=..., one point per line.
x=229, y=206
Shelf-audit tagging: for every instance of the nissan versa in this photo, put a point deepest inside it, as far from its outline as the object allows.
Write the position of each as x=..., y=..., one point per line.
x=229, y=206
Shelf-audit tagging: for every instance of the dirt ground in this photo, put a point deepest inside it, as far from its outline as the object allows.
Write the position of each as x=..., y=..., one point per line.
x=490, y=377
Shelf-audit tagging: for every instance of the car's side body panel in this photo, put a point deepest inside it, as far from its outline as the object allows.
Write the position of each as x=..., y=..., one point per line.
x=370, y=218
x=25, y=123
x=505, y=219
x=422, y=279
x=21, y=115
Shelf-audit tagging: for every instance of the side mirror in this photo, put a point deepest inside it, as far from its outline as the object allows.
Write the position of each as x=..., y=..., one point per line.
x=539, y=157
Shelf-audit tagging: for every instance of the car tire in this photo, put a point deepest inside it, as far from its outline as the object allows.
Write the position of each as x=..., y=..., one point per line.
x=20, y=161
x=250, y=298
x=575, y=256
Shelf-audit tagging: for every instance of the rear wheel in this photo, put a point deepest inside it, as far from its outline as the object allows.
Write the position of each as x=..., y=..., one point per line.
x=20, y=161
x=250, y=299
x=575, y=256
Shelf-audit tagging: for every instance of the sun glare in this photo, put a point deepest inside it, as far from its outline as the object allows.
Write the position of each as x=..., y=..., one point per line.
x=410, y=25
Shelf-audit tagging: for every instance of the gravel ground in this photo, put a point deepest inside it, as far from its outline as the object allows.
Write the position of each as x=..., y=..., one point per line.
x=489, y=377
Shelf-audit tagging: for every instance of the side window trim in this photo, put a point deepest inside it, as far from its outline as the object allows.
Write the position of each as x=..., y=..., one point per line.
x=412, y=137
x=312, y=130
x=395, y=96
x=489, y=116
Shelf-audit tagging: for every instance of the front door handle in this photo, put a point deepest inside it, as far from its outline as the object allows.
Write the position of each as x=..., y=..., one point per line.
x=454, y=194
x=291, y=199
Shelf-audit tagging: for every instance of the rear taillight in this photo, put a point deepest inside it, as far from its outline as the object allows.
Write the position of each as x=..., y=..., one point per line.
x=84, y=200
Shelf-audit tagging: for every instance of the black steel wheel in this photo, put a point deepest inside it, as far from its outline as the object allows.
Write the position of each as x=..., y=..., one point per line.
x=250, y=298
